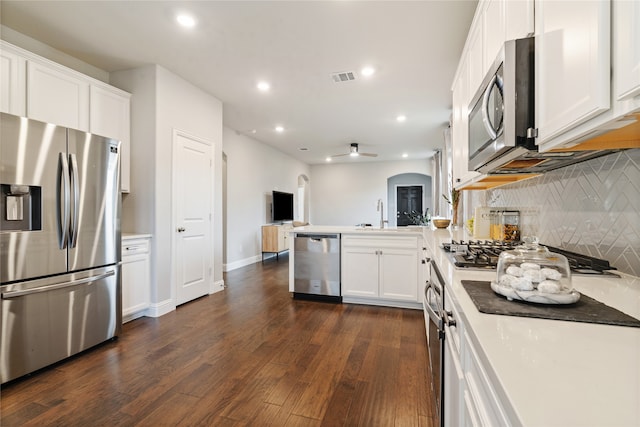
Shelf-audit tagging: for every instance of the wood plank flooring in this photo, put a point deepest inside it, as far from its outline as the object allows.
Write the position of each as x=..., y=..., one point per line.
x=247, y=356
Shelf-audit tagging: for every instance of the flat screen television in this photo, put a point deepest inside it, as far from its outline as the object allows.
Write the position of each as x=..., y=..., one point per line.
x=282, y=206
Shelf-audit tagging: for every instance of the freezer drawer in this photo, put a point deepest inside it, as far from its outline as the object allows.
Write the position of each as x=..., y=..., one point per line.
x=317, y=264
x=47, y=320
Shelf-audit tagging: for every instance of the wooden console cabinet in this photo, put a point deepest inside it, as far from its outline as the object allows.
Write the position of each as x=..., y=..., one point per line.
x=275, y=239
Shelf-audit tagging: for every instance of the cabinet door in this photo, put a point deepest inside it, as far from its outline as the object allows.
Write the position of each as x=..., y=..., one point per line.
x=136, y=284
x=572, y=64
x=626, y=45
x=12, y=83
x=453, y=382
x=476, y=60
x=493, y=32
x=460, y=128
x=359, y=272
x=57, y=96
x=399, y=274
x=109, y=116
x=519, y=19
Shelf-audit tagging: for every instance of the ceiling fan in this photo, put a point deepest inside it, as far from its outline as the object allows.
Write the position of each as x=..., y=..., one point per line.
x=353, y=152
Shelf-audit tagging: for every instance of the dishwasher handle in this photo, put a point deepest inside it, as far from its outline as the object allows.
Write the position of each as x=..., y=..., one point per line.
x=317, y=237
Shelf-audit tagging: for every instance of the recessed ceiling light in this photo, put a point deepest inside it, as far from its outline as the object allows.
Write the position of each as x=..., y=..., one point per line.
x=253, y=131
x=263, y=86
x=328, y=159
x=279, y=129
x=186, y=20
x=401, y=118
x=405, y=155
x=367, y=71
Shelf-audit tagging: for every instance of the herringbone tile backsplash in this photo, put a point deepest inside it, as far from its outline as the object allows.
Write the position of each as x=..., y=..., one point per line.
x=592, y=208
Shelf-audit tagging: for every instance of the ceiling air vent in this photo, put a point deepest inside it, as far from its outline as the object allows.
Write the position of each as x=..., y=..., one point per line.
x=345, y=76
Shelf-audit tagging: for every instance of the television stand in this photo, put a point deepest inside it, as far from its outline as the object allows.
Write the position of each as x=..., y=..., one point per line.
x=275, y=239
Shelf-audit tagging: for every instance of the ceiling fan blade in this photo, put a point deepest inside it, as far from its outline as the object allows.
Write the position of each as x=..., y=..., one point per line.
x=369, y=154
x=340, y=155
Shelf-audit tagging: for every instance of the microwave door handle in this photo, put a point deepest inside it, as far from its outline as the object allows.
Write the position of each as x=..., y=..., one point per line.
x=493, y=132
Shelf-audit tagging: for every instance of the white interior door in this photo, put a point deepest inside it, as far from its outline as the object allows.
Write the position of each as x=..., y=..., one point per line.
x=193, y=194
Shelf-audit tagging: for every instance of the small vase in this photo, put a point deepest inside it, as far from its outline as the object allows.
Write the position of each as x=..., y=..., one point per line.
x=454, y=221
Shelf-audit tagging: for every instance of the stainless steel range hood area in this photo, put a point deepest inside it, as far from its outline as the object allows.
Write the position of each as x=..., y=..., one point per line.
x=520, y=164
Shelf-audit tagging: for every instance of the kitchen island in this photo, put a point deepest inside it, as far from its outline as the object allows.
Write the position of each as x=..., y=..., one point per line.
x=536, y=372
x=378, y=266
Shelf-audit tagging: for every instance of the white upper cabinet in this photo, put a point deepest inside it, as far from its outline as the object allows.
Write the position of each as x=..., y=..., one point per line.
x=12, y=82
x=626, y=48
x=460, y=128
x=572, y=64
x=475, y=59
x=109, y=116
x=519, y=20
x=57, y=95
x=493, y=32
x=32, y=86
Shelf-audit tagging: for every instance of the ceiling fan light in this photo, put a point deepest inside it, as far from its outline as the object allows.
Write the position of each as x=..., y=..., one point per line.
x=354, y=154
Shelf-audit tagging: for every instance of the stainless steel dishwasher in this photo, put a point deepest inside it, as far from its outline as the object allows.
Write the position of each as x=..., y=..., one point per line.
x=317, y=266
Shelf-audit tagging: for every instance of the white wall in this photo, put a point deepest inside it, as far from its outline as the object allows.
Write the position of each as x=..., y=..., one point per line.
x=347, y=193
x=254, y=170
x=161, y=102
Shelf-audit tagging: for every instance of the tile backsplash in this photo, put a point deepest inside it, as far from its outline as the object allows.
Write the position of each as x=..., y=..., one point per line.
x=591, y=208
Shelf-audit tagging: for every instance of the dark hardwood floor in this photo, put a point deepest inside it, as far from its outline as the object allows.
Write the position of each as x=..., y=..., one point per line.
x=249, y=355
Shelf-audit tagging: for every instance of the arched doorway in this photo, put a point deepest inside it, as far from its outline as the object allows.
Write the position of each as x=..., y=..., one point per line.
x=407, y=192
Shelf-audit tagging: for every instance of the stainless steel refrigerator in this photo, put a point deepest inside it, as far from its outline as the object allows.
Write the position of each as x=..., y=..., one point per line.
x=59, y=243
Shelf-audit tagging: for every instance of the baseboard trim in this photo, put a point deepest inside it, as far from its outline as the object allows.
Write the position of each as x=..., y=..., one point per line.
x=216, y=286
x=161, y=308
x=242, y=263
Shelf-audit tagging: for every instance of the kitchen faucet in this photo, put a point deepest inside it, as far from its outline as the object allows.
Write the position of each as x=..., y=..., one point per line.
x=381, y=210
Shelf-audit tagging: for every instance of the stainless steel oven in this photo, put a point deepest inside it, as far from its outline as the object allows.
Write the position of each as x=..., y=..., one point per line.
x=433, y=303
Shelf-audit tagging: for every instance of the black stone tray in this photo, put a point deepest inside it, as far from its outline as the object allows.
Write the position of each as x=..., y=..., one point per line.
x=586, y=309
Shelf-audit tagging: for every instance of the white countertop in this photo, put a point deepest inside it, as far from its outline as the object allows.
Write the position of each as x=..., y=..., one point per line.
x=400, y=231
x=131, y=236
x=552, y=372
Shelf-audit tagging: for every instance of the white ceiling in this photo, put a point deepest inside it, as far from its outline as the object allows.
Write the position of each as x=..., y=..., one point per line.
x=296, y=45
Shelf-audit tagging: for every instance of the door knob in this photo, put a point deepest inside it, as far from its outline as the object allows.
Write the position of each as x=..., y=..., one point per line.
x=181, y=229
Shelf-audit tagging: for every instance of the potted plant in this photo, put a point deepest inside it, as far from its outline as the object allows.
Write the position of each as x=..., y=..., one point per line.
x=417, y=218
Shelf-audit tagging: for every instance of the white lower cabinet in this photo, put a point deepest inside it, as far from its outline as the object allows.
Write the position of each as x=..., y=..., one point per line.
x=381, y=268
x=136, y=271
x=470, y=397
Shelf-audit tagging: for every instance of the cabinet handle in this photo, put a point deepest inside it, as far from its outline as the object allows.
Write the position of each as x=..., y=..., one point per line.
x=181, y=229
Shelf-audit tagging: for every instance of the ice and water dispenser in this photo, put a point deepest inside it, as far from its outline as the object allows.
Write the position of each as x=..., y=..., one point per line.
x=21, y=207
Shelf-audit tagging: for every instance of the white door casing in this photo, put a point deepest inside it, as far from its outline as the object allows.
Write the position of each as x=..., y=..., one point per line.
x=192, y=211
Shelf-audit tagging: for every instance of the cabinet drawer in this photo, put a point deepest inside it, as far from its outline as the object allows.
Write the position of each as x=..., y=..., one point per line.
x=134, y=247
x=408, y=242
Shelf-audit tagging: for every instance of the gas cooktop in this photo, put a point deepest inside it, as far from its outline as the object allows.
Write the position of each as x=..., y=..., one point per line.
x=483, y=254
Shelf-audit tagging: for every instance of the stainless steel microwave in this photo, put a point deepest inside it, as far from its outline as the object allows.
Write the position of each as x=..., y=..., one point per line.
x=502, y=112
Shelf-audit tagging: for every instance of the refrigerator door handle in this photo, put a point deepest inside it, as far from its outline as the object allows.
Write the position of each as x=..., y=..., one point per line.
x=47, y=288
x=62, y=200
x=75, y=188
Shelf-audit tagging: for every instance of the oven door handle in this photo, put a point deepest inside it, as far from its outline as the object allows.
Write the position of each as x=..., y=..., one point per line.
x=435, y=317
